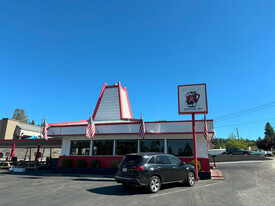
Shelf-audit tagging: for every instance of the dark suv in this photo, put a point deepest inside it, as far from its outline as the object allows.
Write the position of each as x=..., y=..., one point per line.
x=237, y=151
x=153, y=169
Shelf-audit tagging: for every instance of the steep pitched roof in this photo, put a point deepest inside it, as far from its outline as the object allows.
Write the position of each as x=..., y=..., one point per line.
x=113, y=104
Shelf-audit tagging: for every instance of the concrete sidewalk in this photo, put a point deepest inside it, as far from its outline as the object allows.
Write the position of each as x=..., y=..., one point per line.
x=216, y=174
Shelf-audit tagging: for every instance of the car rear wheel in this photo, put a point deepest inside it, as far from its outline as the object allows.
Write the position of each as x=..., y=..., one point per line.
x=154, y=184
x=190, y=179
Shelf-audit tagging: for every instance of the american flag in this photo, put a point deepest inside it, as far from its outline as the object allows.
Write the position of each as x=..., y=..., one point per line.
x=90, y=131
x=142, y=128
x=45, y=129
x=205, y=130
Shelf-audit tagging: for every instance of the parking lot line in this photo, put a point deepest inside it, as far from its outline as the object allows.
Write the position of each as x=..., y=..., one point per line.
x=172, y=192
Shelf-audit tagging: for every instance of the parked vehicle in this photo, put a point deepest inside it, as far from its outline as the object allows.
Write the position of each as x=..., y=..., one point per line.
x=237, y=151
x=259, y=152
x=269, y=154
x=151, y=170
x=216, y=151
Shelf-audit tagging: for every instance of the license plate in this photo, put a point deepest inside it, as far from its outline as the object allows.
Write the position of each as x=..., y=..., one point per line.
x=124, y=169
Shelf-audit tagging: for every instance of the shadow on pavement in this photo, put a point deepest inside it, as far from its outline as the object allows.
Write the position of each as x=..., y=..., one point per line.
x=119, y=190
x=33, y=178
x=49, y=173
x=94, y=180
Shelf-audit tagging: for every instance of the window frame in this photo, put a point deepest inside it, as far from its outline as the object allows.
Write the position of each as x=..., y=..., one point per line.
x=70, y=151
x=192, y=148
x=103, y=140
x=163, y=145
x=116, y=144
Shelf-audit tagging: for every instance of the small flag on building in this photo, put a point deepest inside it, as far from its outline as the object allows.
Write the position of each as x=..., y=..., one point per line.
x=142, y=129
x=45, y=129
x=205, y=130
x=90, y=131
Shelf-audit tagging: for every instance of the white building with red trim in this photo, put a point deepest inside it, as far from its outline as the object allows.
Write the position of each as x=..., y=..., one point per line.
x=117, y=133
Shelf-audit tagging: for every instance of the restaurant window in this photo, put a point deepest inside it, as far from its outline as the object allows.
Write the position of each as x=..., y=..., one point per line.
x=150, y=145
x=126, y=146
x=180, y=147
x=80, y=147
x=103, y=147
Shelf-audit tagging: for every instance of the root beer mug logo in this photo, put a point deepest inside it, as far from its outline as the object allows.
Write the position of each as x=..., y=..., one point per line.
x=192, y=98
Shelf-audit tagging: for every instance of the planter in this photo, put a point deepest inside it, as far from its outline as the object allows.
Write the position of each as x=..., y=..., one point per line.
x=204, y=175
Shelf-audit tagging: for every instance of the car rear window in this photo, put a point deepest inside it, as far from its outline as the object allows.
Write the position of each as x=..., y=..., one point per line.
x=132, y=160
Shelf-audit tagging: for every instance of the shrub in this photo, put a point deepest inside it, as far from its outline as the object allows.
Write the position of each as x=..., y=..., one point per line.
x=199, y=164
x=114, y=164
x=67, y=162
x=94, y=164
x=273, y=152
x=81, y=163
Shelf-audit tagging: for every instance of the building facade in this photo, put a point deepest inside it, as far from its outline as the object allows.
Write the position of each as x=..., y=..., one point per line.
x=117, y=133
x=11, y=129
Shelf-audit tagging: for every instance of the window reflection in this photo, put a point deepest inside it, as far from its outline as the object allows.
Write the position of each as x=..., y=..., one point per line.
x=180, y=147
x=151, y=145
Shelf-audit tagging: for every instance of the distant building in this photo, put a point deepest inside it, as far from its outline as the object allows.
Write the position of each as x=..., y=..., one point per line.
x=11, y=129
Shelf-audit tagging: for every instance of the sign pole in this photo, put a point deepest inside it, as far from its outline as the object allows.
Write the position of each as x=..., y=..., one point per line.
x=195, y=145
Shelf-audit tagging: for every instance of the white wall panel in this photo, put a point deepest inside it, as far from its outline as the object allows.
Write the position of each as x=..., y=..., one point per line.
x=125, y=106
x=169, y=127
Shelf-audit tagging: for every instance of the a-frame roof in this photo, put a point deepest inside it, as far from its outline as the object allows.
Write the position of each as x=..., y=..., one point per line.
x=113, y=104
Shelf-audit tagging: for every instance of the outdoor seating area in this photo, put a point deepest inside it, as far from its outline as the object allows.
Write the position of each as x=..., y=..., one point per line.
x=31, y=161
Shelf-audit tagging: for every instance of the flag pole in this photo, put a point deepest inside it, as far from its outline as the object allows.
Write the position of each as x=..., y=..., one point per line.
x=41, y=127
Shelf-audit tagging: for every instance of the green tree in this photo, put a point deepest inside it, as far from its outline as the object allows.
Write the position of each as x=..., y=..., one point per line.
x=269, y=132
x=234, y=143
x=219, y=143
x=19, y=114
x=33, y=123
x=264, y=144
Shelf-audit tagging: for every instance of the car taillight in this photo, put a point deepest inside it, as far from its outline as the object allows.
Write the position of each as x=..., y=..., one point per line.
x=139, y=168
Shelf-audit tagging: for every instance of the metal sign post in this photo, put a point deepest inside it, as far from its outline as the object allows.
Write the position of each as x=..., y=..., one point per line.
x=192, y=99
x=195, y=146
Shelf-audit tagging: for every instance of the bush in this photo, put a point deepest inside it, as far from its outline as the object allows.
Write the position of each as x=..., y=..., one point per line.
x=94, y=164
x=114, y=164
x=199, y=164
x=67, y=162
x=81, y=163
x=273, y=152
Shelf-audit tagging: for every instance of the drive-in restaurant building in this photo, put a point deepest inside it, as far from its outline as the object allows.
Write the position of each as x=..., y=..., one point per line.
x=117, y=133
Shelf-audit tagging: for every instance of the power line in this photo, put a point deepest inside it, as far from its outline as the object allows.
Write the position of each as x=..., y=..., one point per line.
x=233, y=125
x=244, y=112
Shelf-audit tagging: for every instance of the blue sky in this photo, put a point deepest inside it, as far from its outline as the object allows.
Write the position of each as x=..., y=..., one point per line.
x=55, y=57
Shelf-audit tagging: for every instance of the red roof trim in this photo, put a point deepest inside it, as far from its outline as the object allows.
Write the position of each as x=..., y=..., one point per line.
x=128, y=133
x=125, y=89
x=67, y=123
x=99, y=99
x=120, y=100
x=113, y=86
x=22, y=140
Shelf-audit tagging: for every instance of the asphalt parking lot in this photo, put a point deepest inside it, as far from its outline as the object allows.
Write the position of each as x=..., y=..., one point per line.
x=246, y=183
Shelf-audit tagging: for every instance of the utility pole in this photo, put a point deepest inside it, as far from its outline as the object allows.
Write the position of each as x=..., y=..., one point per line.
x=237, y=133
